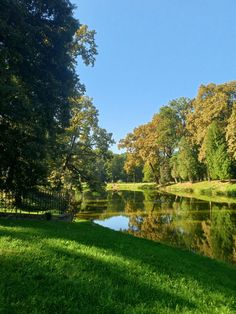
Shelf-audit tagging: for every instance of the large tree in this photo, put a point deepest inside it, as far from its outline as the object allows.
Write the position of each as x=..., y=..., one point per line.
x=154, y=143
x=157, y=143
x=213, y=103
x=185, y=164
x=39, y=44
x=82, y=149
x=141, y=146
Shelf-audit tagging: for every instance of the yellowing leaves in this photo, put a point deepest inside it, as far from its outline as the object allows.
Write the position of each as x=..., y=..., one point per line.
x=231, y=132
x=213, y=102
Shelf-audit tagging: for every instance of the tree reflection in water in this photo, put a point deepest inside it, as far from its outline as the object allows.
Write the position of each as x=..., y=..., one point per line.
x=204, y=227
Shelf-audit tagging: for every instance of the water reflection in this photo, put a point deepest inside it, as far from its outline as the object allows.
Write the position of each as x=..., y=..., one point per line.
x=117, y=223
x=205, y=227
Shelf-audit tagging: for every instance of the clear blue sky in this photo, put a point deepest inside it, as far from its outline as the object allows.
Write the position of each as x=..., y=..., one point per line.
x=152, y=51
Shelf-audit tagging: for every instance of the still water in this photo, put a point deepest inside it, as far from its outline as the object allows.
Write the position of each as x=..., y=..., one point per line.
x=207, y=228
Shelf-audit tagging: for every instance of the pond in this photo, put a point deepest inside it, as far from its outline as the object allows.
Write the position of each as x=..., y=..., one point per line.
x=207, y=228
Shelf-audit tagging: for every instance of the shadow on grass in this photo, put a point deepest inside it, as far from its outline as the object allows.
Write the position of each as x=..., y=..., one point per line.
x=94, y=276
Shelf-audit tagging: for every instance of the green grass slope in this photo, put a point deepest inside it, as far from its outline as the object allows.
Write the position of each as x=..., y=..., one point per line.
x=205, y=190
x=58, y=267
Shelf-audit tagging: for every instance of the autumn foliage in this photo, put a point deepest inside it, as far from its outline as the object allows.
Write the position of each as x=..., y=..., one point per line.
x=189, y=139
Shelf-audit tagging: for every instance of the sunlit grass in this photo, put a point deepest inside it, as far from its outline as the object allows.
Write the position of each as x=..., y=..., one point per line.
x=131, y=186
x=80, y=267
x=217, y=191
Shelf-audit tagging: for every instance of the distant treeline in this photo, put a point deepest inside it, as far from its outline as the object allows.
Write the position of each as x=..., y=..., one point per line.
x=188, y=139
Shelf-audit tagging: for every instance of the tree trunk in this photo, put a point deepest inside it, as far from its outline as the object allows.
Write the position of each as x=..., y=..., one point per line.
x=155, y=176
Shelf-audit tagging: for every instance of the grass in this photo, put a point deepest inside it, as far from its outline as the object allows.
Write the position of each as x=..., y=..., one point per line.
x=218, y=191
x=80, y=267
x=209, y=191
x=131, y=186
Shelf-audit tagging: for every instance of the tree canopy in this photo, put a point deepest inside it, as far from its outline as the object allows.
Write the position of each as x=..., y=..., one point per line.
x=189, y=139
x=41, y=96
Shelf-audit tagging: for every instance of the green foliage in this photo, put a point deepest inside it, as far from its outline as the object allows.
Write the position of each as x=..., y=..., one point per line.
x=168, y=130
x=212, y=103
x=165, y=172
x=83, y=149
x=136, y=175
x=231, y=133
x=47, y=129
x=217, y=159
x=188, y=167
x=159, y=144
x=155, y=142
x=148, y=175
x=115, y=168
x=182, y=107
x=174, y=164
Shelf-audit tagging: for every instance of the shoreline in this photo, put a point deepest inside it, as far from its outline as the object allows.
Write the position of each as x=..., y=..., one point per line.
x=218, y=191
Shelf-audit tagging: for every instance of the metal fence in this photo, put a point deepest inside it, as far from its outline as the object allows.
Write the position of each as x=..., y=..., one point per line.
x=34, y=202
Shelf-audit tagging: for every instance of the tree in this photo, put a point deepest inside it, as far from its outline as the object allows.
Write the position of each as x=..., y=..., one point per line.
x=231, y=133
x=174, y=164
x=83, y=149
x=39, y=44
x=165, y=171
x=158, y=144
x=217, y=159
x=168, y=130
x=154, y=143
x=182, y=107
x=115, y=167
x=148, y=175
x=213, y=103
x=188, y=166
x=141, y=147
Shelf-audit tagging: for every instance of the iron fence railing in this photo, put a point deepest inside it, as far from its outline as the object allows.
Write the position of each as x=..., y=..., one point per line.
x=34, y=202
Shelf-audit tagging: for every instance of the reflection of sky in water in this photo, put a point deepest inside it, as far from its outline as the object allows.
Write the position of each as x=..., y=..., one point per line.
x=207, y=228
x=116, y=223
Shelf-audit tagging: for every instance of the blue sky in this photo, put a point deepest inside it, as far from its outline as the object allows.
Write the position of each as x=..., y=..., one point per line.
x=152, y=51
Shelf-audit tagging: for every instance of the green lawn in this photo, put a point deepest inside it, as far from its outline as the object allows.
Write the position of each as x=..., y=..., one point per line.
x=209, y=191
x=131, y=186
x=59, y=267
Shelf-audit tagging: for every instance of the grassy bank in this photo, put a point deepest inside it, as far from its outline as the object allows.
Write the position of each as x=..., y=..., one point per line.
x=213, y=190
x=131, y=186
x=57, y=267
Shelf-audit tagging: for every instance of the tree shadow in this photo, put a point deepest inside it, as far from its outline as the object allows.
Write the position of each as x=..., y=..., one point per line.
x=158, y=259
x=98, y=287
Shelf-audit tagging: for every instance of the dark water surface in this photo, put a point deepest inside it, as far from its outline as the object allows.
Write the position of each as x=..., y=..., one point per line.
x=208, y=228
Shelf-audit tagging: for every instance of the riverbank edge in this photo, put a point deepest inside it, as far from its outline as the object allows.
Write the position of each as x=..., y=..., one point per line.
x=139, y=186
x=218, y=191
x=116, y=271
